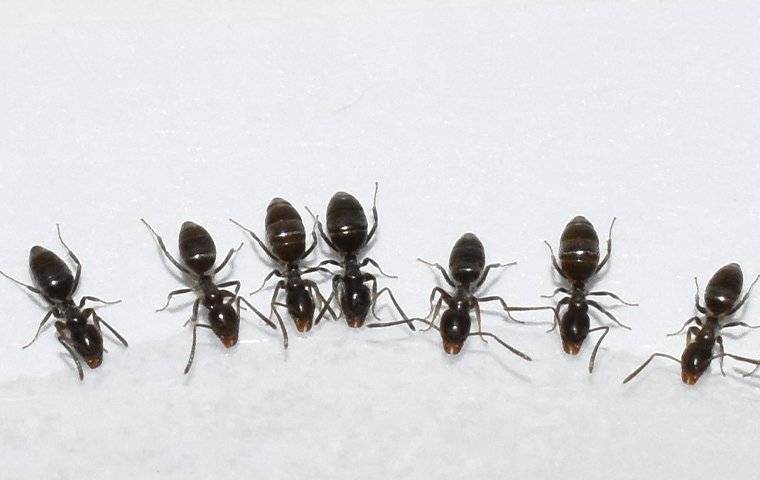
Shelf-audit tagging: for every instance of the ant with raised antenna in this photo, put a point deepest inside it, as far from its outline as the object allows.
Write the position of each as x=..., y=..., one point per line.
x=287, y=237
x=56, y=284
x=198, y=253
x=347, y=234
x=578, y=263
x=721, y=302
x=467, y=265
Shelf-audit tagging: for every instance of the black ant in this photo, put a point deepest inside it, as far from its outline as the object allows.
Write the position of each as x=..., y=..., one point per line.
x=287, y=236
x=721, y=297
x=198, y=253
x=56, y=284
x=467, y=264
x=347, y=228
x=578, y=263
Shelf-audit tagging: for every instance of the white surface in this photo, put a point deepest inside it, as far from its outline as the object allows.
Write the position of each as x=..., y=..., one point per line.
x=502, y=118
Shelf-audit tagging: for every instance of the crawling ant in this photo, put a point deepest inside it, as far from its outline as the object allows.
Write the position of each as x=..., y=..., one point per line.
x=347, y=234
x=287, y=237
x=578, y=263
x=56, y=284
x=198, y=253
x=721, y=296
x=467, y=265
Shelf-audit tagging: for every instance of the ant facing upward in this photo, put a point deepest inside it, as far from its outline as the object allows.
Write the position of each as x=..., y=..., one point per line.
x=287, y=236
x=198, y=253
x=56, y=284
x=721, y=301
x=578, y=263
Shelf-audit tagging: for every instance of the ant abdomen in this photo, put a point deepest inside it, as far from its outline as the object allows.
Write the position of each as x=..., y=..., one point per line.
x=467, y=259
x=285, y=231
x=225, y=323
x=724, y=289
x=579, y=249
x=455, y=328
x=355, y=303
x=574, y=327
x=197, y=248
x=301, y=308
x=346, y=222
x=49, y=270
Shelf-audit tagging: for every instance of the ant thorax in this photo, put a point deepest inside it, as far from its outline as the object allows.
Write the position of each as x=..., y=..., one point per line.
x=68, y=310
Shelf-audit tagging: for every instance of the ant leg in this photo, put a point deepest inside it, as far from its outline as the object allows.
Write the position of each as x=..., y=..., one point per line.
x=744, y=299
x=266, y=279
x=39, y=329
x=227, y=259
x=168, y=255
x=308, y=251
x=649, y=360
x=258, y=240
x=235, y=283
x=78, y=274
x=722, y=350
x=739, y=324
x=322, y=231
x=554, y=260
x=444, y=297
x=488, y=269
x=608, y=314
x=686, y=324
x=560, y=304
x=477, y=319
x=192, y=349
x=329, y=262
x=95, y=299
x=610, y=294
x=315, y=291
x=374, y=264
x=333, y=295
x=257, y=312
x=99, y=320
x=169, y=297
x=559, y=290
x=395, y=303
x=609, y=247
x=441, y=269
x=74, y=356
x=194, y=317
x=315, y=269
x=503, y=344
x=699, y=307
x=28, y=287
x=509, y=309
x=374, y=217
x=596, y=348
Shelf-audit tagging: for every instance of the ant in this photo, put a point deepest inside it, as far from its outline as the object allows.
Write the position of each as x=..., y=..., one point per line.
x=578, y=263
x=467, y=265
x=287, y=237
x=198, y=253
x=56, y=284
x=723, y=291
x=347, y=228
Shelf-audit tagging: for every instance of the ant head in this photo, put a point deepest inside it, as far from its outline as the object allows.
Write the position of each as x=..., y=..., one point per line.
x=225, y=322
x=455, y=328
x=574, y=328
x=694, y=362
x=88, y=343
x=301, y=308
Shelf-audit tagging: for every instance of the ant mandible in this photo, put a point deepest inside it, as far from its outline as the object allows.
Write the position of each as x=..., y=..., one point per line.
x=56, y=284
x=578, y=263
x=721, y=301
x=347, y=234
x=287, y=237
x=467, y=265
x=198, y=253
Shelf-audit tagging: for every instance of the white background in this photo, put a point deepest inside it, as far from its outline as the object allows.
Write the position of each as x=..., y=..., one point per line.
x=501, y=118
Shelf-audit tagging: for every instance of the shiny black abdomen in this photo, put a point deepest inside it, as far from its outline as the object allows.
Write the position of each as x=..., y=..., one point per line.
x=50, y=274
x=724, y=289
x=579, y=249
x=467, y=259
x=346, y=223
x=197, y=248
x=285, y=231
